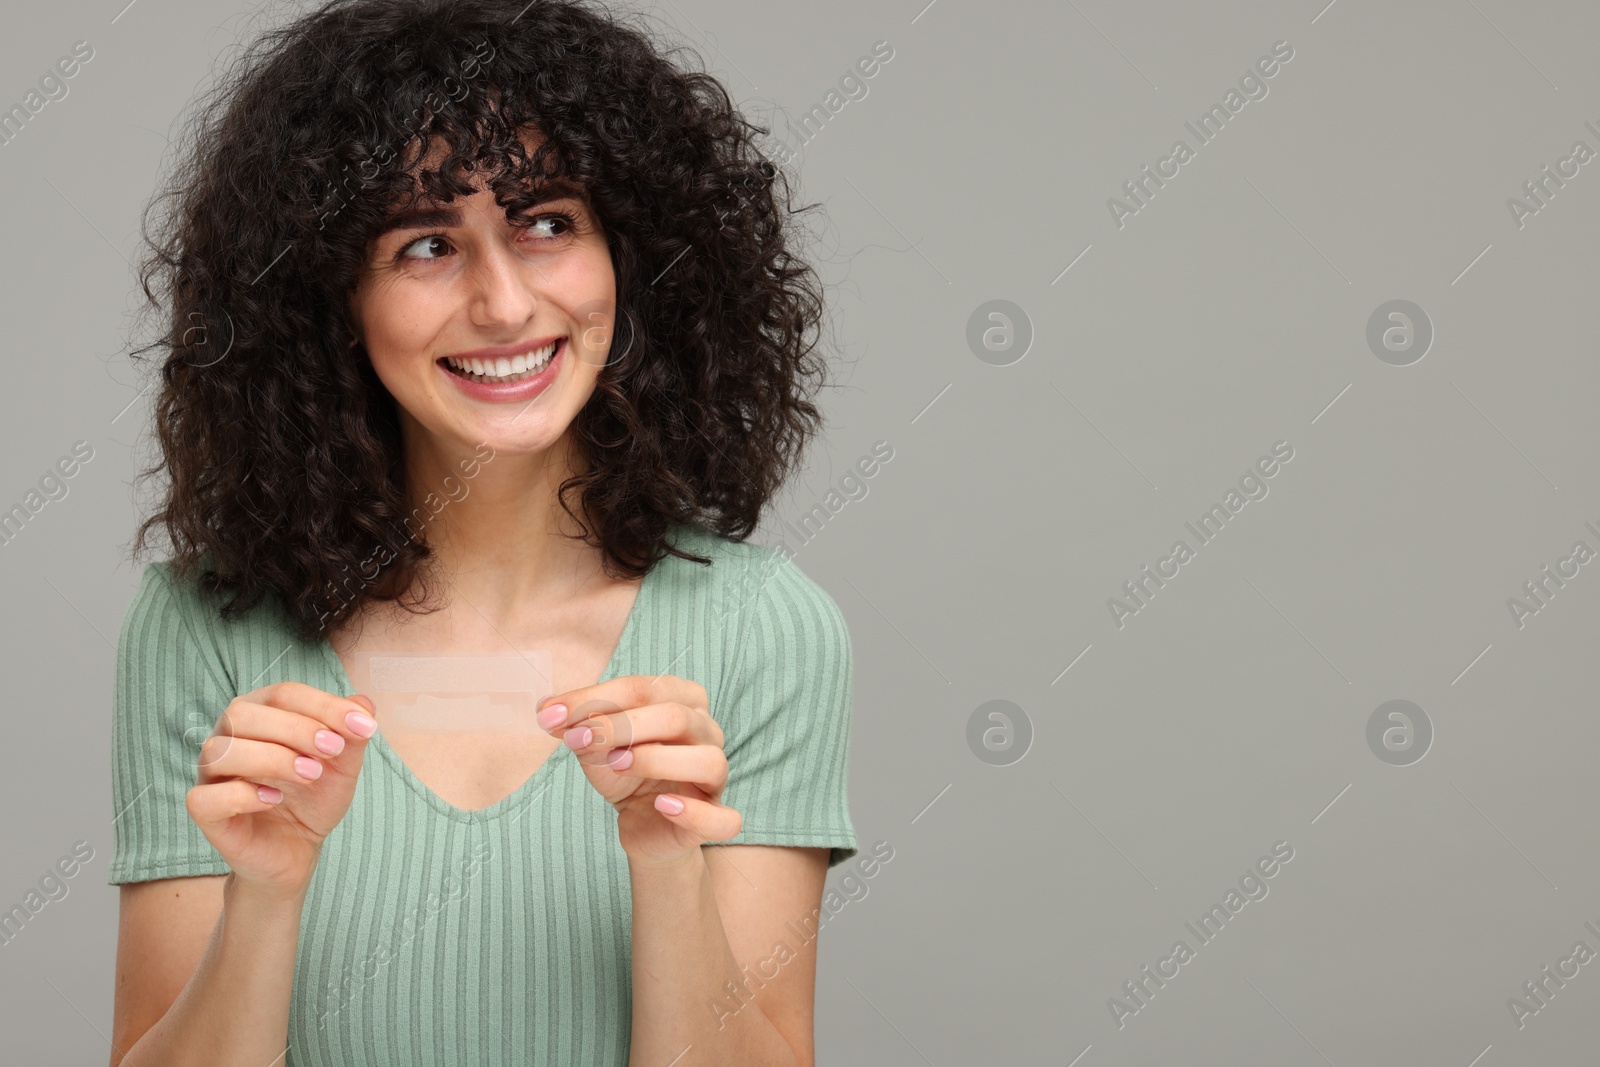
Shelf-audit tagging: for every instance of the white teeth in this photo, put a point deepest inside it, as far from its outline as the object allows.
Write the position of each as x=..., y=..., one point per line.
x=519, y=365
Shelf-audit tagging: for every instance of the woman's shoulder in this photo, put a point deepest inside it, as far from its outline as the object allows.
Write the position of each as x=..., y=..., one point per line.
x=763, y=584
x=167, y=598
x=726, y=556
x=738, y=566
x=173, y=608
x=700, y=539
x=177, y=592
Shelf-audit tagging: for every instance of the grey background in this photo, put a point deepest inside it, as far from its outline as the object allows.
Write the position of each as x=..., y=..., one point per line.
x=1230, y=713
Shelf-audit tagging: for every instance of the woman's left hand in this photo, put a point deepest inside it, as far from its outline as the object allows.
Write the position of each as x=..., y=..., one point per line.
x=649, y=745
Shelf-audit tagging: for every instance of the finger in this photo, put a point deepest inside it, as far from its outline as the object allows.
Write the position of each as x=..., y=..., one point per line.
x=670, y=721
x=263, y=722
x=700, y=765
x=333, y=712
x=628, y=691
x=212, y=804
x=702, y=818
x=261, y=761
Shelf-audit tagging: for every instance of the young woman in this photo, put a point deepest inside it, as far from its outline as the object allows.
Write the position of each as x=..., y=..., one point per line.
x=481, y=336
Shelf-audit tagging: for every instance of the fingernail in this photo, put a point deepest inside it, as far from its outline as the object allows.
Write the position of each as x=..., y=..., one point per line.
x=620, y=759
x=553, y=716
x=268, y=794
x=308, y=768
x=360, y=724
x=670, y=805
x=329, y=742
x=577, y=737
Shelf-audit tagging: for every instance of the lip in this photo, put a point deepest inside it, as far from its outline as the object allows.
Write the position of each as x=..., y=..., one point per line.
x=526, y=389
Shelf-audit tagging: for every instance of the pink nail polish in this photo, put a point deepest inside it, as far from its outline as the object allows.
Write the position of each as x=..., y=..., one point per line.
x=329, y=742
x=553, y=716
x=578, y=737
x=361, y=724
x=620, y=759
x=307, y=768
x=670, y=805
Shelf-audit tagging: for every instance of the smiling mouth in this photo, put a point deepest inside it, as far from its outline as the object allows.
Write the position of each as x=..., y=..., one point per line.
x=502, y=371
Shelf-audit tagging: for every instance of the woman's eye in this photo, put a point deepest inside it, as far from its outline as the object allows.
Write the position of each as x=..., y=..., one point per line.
x=538, y=231
x=434, y=247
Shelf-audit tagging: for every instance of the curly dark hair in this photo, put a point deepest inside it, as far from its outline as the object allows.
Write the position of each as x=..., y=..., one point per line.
x=283, y=448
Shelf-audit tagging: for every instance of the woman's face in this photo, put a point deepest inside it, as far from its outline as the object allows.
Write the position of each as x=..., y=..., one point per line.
x=457, y=287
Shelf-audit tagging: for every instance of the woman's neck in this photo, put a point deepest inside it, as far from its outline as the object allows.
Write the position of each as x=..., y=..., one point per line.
x=500, y=538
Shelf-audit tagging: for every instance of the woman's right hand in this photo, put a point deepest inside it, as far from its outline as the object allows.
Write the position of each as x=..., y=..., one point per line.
x=266, y=818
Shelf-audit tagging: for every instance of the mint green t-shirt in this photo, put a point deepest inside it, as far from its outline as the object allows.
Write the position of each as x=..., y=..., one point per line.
x=435, y=935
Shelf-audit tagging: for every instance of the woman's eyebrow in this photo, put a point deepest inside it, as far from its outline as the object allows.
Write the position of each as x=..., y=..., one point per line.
x=443, y=217
x=420, y=219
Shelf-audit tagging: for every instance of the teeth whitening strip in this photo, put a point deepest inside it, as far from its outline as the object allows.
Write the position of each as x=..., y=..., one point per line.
x=477, y=693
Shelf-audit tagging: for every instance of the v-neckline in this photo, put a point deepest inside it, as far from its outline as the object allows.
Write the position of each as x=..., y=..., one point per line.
x=535, y=782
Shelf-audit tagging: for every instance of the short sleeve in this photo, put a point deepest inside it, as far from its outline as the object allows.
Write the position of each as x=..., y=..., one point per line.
x=785, y=712
x=168, y=695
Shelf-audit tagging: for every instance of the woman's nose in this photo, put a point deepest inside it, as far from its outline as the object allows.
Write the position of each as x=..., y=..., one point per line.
x=502, y=287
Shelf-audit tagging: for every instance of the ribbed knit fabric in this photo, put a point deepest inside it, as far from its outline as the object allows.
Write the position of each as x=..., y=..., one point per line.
x=433, y=935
